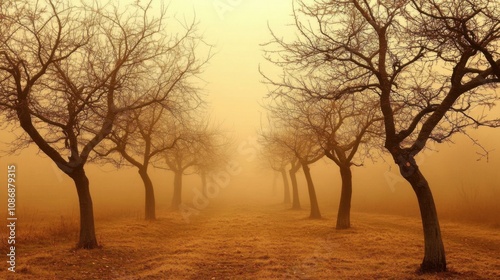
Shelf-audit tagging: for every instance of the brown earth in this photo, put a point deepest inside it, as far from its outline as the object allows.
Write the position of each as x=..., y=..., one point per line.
x=254, y=241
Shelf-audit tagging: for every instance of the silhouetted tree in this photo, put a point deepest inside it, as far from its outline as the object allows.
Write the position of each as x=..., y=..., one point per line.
x=139, y=137
x=278, y=158
x=286, y=186
x=431, y=65
x=342, y=126
x=295, y=167
x=303, y=148
x=216, y=156
x=198, y=144
x=349, y=129
x=68, y=70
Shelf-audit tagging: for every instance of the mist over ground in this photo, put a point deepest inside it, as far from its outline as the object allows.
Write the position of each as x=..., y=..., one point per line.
x=242, y=228
x=466, y=185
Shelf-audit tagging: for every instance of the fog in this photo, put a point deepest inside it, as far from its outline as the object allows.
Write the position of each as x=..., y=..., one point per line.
x=464, y=181
x=460, y=182
x=465, y=185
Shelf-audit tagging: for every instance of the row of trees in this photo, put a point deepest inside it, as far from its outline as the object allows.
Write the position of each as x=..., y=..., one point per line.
x=301, y=132
x=365, y=76
x=90, y=82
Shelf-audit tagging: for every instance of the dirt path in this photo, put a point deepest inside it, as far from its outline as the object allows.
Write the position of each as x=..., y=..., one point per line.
x=253, y=241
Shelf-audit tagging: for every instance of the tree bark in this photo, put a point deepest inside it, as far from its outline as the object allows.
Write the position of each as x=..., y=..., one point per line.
x=315, y=214
x=87, y=239
x=295, y=191
x=344, y=213
x=177, y=197
x=434, y=254
x=150, y=212
x=286, y=186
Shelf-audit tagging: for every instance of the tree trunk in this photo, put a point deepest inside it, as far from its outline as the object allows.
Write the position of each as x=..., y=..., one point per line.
x=295, y=191
x=286, y=186
x=150, y=212
x=177, y=197
x=434, y=255
x=344, y=214
x=204, y=183
x=315, y=214
x=87, y=238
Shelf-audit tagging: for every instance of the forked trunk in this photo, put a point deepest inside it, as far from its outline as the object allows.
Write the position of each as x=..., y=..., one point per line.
x=295, y=191
x=286, y=186
x=177, y=197
x=87, y=238
x=315, y=214
x=344, y=214
x=434, y=255
x=150, y=212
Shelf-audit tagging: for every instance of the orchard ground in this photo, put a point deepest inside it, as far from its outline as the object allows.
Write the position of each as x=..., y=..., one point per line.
x=249, y=241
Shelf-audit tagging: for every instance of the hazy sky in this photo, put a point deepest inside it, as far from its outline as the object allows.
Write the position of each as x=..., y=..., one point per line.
x=236, y=28
x=233, y=89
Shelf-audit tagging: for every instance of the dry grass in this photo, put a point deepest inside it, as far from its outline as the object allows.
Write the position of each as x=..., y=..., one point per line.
x=256, y=242
x=36, y=228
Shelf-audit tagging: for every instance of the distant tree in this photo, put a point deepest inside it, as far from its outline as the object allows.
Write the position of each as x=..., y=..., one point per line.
x=216, y=156
x=295, y=167
x=303, y=148
x=277, y=158
x=286, y=186
x=199, y=143
x=178, y=160
x=342, y=127
x=349, y=129
x=67, y=71
x=139, y=137
x=432, y=66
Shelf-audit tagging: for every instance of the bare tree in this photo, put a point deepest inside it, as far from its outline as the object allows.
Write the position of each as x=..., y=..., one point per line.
x=178, y=160
x=286, y=185
x=348, y=129
x=304, y=149
x=139, y=137
x=216, y=155
x=277, y=158
x=198, y=145
x=295, y=167
x=342, y=126
x=67, y=71
x=431, y=65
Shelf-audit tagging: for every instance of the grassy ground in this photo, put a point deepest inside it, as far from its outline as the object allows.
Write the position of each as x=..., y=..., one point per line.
x=252, y=241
